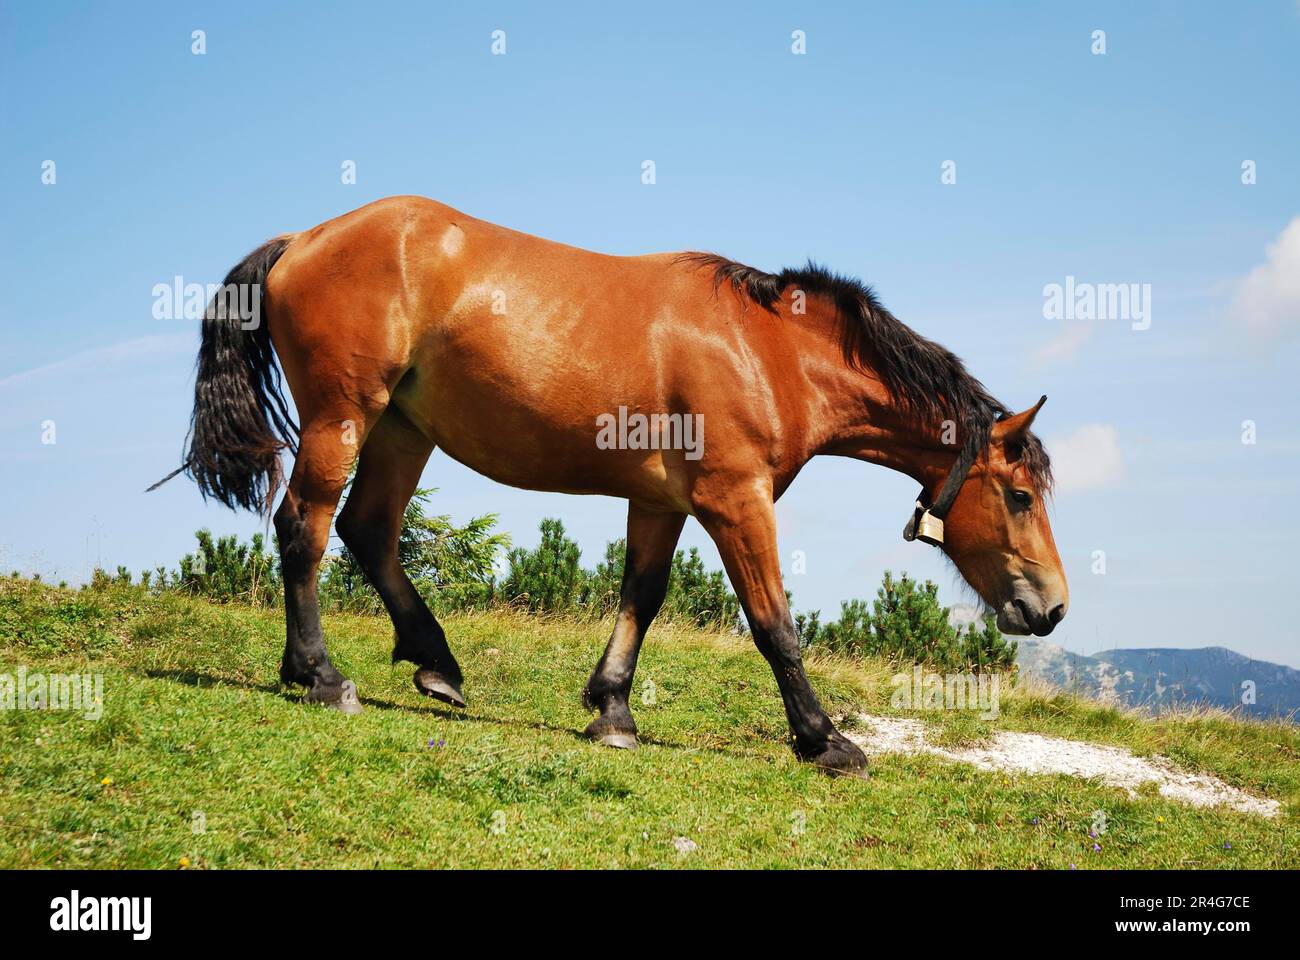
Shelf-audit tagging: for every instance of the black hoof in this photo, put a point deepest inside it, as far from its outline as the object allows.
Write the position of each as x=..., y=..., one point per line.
x=341, y=697
x=841, y=758
x=612, y=734
x=433, y=684
x=620, y=741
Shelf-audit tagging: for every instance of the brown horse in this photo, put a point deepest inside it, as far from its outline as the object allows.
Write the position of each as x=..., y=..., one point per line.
x=406, y=325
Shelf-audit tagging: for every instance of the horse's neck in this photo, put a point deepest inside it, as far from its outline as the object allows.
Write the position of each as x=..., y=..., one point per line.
x=867, y=424
x=892, y=442
x=853, y=414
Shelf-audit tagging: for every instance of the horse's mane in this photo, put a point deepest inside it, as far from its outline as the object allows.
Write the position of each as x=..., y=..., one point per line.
x=928, y=380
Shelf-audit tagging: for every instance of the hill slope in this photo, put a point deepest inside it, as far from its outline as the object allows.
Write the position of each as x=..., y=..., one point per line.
x=1159, y=677
x=200, y=759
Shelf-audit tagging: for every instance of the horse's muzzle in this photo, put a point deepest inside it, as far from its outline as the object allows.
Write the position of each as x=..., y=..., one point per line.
x=1020, y=617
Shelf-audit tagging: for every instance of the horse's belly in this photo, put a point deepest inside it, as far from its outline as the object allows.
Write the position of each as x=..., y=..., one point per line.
x=530, y=415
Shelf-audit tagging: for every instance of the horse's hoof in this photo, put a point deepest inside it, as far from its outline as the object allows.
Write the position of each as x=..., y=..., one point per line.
x=345, y=700
x=602, y=730
x=620, y=741
x=842, y=758
x=433, y=684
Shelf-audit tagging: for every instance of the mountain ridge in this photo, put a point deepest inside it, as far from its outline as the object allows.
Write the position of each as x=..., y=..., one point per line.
x=1155, y=678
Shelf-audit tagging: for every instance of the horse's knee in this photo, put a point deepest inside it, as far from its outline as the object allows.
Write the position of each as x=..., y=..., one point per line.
x=352, y=532
x=778, y=643
x=371, y=519
x=286, y=515
x=293, y=533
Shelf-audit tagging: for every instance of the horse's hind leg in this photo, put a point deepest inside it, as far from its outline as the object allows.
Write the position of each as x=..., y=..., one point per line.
x=651, y=539
x=370, y=524
x=302, y=522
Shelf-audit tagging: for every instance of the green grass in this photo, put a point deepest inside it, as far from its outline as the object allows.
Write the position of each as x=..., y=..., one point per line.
x=196, y=730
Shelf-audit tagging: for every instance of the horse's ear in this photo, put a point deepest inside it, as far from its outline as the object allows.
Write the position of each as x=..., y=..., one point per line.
x=1014, y=427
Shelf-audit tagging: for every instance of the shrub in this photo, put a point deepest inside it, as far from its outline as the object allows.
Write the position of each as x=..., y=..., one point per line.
x=450, y=566
x=851, y=633
x=907, y=623
x=984, y=646
x=548, y=578
x=227, y=570
x=700, y=596
x=604, y=586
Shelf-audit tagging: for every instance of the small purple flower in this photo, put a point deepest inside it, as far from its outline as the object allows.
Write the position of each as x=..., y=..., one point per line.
x=1034, y=821
x=1073, y=867
x=1096, y=848
x=1227, y=845
x=1092, y=834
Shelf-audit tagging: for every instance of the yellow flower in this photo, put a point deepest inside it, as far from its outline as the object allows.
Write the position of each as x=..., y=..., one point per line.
x=1160, y=819
x=107, y=782
x=185, y=862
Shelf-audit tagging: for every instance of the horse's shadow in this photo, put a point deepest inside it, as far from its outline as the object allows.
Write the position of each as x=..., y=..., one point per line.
x=200, y=679
x=197, y=678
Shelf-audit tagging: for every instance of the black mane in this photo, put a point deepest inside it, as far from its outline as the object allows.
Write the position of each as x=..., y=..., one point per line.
x=928, y=380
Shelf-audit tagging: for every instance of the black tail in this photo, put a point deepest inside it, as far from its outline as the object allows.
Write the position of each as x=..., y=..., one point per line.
x=240, y=421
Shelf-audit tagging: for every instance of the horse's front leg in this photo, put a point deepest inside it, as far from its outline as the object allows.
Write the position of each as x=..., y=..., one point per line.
x=744, y=528
x=651, y=539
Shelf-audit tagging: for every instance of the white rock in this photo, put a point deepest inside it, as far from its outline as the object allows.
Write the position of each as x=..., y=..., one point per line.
x=1036, y=754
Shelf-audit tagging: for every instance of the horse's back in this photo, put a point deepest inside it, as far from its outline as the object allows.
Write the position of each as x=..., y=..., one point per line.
x=504, y=348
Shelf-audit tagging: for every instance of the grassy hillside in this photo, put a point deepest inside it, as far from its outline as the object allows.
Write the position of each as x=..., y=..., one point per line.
x=196, y=732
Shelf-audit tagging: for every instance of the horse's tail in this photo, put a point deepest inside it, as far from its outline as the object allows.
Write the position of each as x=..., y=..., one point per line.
x=240, y=421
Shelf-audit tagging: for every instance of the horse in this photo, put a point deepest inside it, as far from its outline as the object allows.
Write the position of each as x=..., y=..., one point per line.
x=405, y=326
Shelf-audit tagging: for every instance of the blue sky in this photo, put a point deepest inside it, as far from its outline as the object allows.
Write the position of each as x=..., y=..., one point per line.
x=1117, y=168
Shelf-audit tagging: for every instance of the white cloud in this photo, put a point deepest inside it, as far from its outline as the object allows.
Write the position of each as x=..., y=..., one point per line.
x=1267, y=300
x=91, y=362
x=1087, y=459
x=1064, y=345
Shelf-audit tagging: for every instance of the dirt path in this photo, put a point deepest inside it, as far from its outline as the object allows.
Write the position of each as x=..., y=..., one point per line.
x=1034, y=753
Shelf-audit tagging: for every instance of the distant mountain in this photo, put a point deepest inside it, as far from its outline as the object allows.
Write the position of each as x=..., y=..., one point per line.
x=1156, y=678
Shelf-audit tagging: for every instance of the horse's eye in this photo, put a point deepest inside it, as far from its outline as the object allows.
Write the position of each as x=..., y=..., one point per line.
x=1022, y=498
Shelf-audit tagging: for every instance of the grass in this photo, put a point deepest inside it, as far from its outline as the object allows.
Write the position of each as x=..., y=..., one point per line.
x=202, y=760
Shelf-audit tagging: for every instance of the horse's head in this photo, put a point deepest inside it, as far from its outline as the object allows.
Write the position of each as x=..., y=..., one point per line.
x=998, y=534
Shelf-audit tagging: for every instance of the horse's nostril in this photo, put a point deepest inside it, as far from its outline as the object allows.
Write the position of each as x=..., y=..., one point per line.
x=1056, y=614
